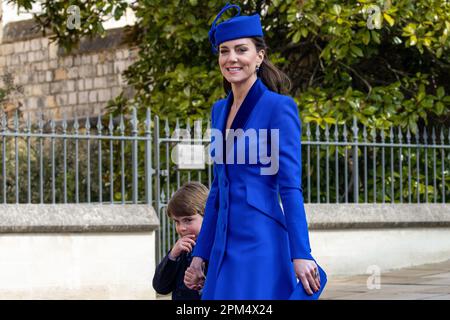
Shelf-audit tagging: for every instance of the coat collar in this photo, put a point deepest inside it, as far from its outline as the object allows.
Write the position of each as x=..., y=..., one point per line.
x=240, y=120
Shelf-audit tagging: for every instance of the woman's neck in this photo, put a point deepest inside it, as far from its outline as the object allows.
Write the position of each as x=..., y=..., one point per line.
x=240, y=90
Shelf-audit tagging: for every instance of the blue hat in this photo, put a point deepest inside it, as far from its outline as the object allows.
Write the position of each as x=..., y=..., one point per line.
x=234, y=28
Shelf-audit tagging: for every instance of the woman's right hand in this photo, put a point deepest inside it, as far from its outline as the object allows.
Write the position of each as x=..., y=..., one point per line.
x=194, y=277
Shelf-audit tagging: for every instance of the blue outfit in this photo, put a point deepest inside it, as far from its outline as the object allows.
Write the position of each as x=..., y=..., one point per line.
x=247, y=238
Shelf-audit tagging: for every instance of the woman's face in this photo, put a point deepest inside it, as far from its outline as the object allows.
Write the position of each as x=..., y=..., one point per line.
x=238, y=60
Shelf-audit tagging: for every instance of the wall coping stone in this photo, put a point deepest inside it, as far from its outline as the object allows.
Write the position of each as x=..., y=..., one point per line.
x=74, y=218
x=368, y=215
x=29, y=29
x=69, y=218
x=22, y=30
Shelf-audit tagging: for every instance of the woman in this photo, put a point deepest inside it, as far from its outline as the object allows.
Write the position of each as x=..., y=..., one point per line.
x=255, y=249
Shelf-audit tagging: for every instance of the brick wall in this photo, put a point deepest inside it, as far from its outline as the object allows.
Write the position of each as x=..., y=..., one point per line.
x=56, y=84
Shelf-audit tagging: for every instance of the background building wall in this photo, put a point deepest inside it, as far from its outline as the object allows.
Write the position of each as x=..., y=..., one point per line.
x=56, y=84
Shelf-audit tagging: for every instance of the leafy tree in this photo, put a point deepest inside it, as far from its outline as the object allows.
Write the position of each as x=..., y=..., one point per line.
x=385, y=62
x=69, y=21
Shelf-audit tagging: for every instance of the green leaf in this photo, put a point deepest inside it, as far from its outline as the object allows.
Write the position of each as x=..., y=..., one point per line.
x=412, y=125
x=366, y=37
x=326, y=53
x=440, y=92
x=296, y=37
x=348, y=93
x=118, y=13
x=309, y=119
x=337, y=9
x=304, y=32
x=439, y=108
x=420, y=95
x=357, y=51
x=329, y=120
x=369, y=110
x=375, y=37
x=410, y=29
x=388, y=19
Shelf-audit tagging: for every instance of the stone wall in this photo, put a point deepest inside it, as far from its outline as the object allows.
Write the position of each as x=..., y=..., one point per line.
x=349, y=238
x=77, y=251
x=56, y=84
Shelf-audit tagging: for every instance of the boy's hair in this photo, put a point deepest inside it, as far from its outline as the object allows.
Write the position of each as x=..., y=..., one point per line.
x=189, y=200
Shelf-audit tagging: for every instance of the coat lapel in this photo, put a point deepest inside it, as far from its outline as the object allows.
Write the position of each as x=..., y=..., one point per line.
x=245, y=110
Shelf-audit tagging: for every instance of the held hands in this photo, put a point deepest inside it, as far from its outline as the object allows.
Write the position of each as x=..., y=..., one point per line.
x=185, y=243
x=308, y=273
x=194, y=277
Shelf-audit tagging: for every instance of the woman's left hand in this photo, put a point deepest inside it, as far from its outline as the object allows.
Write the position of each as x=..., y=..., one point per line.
x=308, y=273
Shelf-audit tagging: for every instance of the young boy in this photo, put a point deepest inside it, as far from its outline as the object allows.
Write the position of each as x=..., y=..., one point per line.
x=186, y=209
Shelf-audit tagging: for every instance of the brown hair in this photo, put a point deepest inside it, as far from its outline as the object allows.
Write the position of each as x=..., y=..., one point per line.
x=189, y=200
x=275, y=79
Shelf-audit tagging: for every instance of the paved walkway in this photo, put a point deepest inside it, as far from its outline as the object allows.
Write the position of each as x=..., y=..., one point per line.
x=424, y=282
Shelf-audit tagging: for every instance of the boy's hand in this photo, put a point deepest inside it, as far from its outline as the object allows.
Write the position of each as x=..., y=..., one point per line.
x=185, y=244
x=194, y=277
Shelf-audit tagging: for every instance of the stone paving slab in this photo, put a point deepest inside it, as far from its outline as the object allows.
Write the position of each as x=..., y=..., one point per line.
x=437, y=289
x=424, y=282
x=443, y=297
x=392, y=296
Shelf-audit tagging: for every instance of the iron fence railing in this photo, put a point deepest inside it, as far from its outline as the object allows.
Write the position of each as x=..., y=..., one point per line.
x=401, y=167
x=339, y=166
x=122, y=160
x=95, y=160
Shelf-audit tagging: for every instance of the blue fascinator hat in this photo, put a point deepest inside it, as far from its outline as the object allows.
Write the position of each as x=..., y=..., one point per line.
x=234, y=28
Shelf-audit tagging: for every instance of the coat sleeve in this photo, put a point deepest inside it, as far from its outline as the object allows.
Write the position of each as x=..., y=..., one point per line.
x=285, y=118
x=208, y=230
x=164, y=280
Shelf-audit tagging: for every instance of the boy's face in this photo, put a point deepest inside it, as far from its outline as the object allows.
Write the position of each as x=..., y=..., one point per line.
x=188, y=225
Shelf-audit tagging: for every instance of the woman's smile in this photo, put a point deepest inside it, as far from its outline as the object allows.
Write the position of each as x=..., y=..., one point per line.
x=234, y=70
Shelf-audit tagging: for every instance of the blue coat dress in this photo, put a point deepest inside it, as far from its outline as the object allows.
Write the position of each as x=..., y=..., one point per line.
x=247, y=237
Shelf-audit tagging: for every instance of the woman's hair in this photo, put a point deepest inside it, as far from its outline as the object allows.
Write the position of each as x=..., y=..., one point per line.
x=188, y=200
x=275, y=79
